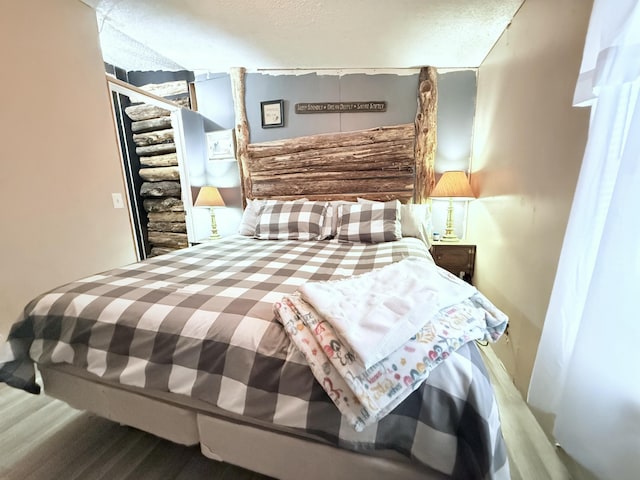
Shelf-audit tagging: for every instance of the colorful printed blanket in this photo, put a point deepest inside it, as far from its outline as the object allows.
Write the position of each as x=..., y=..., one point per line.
x=366, y=394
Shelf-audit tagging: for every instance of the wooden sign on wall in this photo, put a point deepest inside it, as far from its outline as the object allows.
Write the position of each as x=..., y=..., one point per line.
x=341, y=107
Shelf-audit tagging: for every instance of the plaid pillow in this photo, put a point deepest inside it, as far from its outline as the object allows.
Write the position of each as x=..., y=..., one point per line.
x=415, y=220
x=250, y=215
x=291, y=221
x=369, y=222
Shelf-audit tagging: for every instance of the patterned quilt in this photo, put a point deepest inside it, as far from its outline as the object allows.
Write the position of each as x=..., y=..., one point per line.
x=199, y=322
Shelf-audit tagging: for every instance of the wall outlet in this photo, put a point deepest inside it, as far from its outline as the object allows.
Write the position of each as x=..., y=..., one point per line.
x=118, y=202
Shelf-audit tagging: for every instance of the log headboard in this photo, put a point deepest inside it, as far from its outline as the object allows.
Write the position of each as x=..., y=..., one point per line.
x=384, y=163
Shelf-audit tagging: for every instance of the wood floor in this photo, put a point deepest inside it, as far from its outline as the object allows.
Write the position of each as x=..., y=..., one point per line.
x=531, y=455
x=53, y=441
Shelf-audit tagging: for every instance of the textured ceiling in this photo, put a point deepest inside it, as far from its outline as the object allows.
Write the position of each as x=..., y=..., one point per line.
x=215, y=35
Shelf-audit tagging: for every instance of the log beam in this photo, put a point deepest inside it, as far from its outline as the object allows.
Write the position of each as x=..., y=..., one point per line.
x=164, y=239
x=159, y=149
x=158, y=174
x=242, y=130
x=160, y=189
x=159, y=123
x=172, y=227
x=164, y=160
x=167, y=204
x=145, y=111
x=166, y=217
x=426, y=133
x=153, y=138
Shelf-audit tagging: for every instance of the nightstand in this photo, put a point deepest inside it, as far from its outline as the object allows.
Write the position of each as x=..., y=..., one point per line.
x=457, y=258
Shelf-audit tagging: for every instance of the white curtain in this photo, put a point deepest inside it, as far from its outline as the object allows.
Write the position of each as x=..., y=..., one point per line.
x=587, y=369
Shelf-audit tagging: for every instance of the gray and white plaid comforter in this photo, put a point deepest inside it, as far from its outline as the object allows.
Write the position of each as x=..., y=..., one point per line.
x=199, y=322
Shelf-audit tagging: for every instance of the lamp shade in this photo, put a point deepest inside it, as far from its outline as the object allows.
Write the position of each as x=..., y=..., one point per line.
x=208, y=197
x=453, y=184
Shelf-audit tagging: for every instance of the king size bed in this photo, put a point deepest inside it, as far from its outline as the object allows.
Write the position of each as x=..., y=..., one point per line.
x=218, y=345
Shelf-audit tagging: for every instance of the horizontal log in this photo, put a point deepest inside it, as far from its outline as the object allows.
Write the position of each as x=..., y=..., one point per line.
x=167, y=204
x=403, y=196
x=157, y=174
x=177, y=240
x=153, y=138
x=386, y=156
x=173, y=227
x=331, y=140
x=336, y=187
x=159, y=149
x=328, y=176
x=160, y=189
x=159, y=123
x=165, y=160
x=155, y=251
x=144, y=111
x=167, y=89
x=166, y=216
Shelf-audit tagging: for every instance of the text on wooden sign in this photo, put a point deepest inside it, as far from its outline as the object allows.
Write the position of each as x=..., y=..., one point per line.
x=341, y=107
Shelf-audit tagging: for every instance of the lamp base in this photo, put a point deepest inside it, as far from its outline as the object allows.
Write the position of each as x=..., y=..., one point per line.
x=449, y=231
x=449, y=238
x=214, y=228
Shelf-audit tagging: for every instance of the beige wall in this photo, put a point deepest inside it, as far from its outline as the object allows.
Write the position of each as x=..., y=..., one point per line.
x=60, y=159
x=527, y=151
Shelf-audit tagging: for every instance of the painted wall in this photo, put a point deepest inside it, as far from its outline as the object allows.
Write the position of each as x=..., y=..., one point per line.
x=527, y=150
x=399, y=91
x=456, y=113
x=60, y=161
x=455, y=110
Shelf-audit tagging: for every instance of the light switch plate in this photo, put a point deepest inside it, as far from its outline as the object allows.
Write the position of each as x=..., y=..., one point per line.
x=118, y=202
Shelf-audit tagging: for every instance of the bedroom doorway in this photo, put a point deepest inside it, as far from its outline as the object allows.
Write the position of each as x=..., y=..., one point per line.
x=143, y=123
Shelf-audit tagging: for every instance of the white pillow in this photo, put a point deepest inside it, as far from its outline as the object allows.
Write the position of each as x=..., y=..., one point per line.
x=415, y=220
x=330, y=228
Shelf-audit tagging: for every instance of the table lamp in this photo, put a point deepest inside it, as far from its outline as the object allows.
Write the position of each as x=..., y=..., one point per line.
x=452, y=184
x=210, y=197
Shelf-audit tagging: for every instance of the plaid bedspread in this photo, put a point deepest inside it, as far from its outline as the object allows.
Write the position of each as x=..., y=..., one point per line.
x=199, y=322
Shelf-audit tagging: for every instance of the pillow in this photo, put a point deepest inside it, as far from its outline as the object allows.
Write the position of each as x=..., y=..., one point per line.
x=331, y=218
x=250, y=215
x=369, y=222
x=291, y=221
x=415, y=220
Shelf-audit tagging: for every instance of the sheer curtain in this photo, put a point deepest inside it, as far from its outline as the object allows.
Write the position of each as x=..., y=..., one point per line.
x=587, y=369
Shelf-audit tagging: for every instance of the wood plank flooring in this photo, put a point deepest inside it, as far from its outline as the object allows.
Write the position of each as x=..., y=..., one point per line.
x=44, y=439
x=531, y=455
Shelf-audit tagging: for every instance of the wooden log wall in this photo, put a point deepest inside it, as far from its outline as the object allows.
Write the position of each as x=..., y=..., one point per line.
x=376, y=163
x=395, y=162
x=160, y=191
x=426, y=128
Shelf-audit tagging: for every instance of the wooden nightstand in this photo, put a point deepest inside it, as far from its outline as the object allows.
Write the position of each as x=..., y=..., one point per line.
x=458, y=258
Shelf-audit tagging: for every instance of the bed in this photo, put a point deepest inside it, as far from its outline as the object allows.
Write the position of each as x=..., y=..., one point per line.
x=191, y=346
x=246, y=375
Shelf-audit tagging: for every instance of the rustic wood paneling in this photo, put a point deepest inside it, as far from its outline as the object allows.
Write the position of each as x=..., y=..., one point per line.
x=375, y=163
x=426, y=133
x=241, y=129
x=379, y=163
